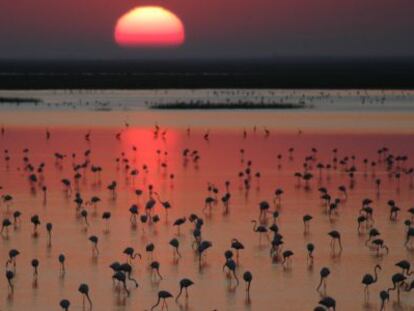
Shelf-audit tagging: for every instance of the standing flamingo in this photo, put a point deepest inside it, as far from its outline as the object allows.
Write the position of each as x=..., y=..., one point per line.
x=324, y=273
x=368, y=280
x=64, y=304
x=184, y=284
x=162, y=294
x=248, y=277
x=84, y=290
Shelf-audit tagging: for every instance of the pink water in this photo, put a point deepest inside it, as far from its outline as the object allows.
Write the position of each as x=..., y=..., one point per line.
x=273, y=287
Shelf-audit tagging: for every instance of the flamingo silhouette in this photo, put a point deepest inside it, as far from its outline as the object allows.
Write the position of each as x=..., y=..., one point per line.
x=306, y=219
x=134, y=213
x=121, y=277
x=385, y=297
x=398, y=280
x=35, y=220
x=35, y=265
x=310, y=248
x=13, y=253
x=287, y=257
x=5, y=225
x=106, y=216
x=405, y=266
x=64, y=304
x=204, y=245
x=84, y=290
x=155, y=265
x=335, y=237
x=150, y=249
x=176, y=244
x=184, y=284
x=368, y=280
x=165, y=204
x=324, y=273
x=49, y=227
x=162, y=294
x=126, y=268
x=10, y=277
x=237, y=245
x=328, y=302
x=231, y=266
x=248, y=277
x=260, y=229
x=61, y=259
x=94, y=239
x=178, y=223
x=130, y=252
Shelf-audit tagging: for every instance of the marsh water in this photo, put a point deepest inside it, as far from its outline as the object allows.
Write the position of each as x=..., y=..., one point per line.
x=353, y=132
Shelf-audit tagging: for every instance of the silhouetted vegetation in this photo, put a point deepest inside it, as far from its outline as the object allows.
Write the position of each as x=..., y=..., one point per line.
x=19, y=100
x=299, y=74
x=207, y=105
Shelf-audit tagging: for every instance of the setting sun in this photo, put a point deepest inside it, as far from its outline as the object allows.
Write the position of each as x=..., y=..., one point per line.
x=149, y=26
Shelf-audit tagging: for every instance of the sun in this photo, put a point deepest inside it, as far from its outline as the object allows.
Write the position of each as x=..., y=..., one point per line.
x=149, y=26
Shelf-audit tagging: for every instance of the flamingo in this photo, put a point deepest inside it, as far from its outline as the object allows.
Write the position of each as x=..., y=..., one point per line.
x=335, y=236
x=398, y=280
x=310, y=248
x=10, y=277
x=231, y=266
x=204, y=245
x=61, y=259
x=368, y=280
x=35, y=265
x=405, y=266
x=328, y=302
x=248, y=277
x=259, y=229
x=130, y=252
x=155, y=265
x=121, y=277
x=94, y=239
x=176, y=244
x=126, y=268
x=84, y=290
x=235, y=244
x=184, y=284
x=162, y=294
x=306, y=219
x=64, y=304
x=324, y=273
x=13, y=253
x=49, y=227
x=385, y=297
x=5, y=225
x=178, y=223
x=287, y=257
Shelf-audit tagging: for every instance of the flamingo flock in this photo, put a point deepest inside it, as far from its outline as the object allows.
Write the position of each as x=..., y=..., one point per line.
x=260, y=230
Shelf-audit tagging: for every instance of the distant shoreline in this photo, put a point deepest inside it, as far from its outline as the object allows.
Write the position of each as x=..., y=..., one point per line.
x=238, y=74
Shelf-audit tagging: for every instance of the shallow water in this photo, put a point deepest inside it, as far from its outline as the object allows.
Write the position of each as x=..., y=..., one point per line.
x=139, y=100
x=273, y=287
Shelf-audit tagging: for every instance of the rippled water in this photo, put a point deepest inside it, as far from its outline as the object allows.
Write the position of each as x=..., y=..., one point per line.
x=273, y=286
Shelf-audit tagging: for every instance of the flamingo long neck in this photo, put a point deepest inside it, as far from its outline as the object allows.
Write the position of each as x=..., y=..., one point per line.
x=181, y=290
x=375, y=274
x=158, y=302
x=89, y=299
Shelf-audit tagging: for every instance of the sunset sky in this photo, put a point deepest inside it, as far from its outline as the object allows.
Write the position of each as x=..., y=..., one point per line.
x=214, y=29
